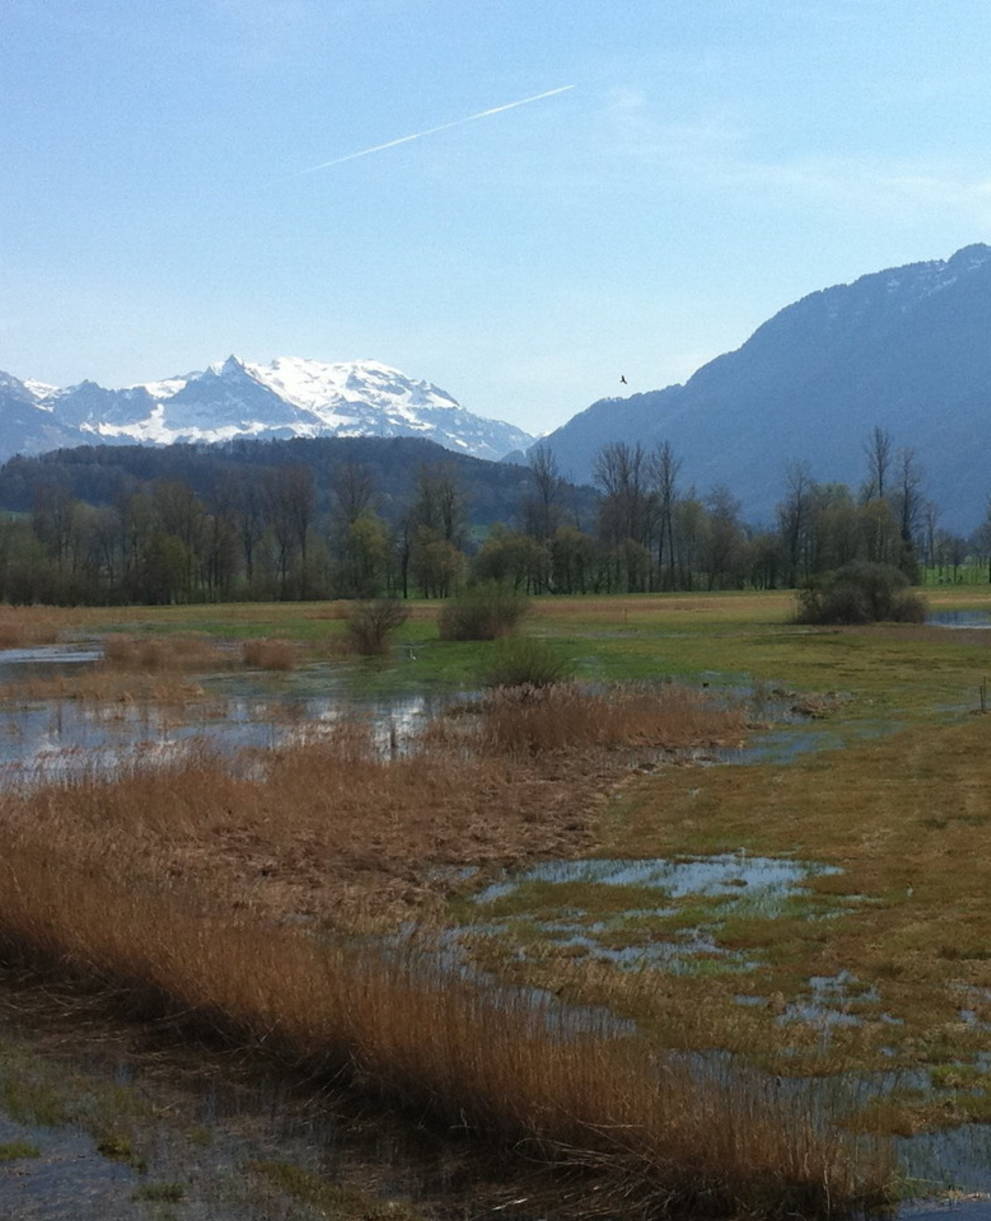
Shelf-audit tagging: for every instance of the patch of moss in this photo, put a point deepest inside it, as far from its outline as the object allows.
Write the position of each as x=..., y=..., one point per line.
x=13, y=1150
x=163, y=1193
x=337, y=1202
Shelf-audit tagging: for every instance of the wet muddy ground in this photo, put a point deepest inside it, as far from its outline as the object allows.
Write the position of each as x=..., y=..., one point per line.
x=104, y=1119
x=92, y=1127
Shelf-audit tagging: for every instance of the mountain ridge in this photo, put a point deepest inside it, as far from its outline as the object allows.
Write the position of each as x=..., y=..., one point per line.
x=906, y=348
x=235, y=398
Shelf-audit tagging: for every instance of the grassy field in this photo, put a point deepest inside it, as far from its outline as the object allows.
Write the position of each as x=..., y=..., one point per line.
x=872, y=961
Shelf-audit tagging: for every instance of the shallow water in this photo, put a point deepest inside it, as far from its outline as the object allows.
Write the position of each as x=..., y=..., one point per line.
x=195, y=1120
x=757, y=885
x=47, y=656
x=49, y=739
x=959, y=618
x=724, y=874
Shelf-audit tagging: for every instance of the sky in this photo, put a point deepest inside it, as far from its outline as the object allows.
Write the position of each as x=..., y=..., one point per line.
x=713, y=161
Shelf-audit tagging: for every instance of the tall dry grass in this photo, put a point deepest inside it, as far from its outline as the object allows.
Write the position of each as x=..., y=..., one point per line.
x=197, y=888
x=655, y=1136
x=532, y=720
x=155, y=654
x=327, y=830
x=21, y=626
x=104, y=686
x=270, y=654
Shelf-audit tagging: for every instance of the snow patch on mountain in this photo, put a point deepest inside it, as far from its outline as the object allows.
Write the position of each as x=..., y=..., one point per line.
x=288, y=397
x=40, y=390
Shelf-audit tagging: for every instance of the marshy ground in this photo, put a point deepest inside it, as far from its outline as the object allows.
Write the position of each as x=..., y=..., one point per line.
x=768, y=866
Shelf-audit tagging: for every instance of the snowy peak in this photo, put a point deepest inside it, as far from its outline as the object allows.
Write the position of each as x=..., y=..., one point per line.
x=288, y=397
x=313, y=385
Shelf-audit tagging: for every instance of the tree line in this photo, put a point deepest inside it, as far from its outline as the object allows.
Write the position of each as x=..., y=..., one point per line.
x=271, y=532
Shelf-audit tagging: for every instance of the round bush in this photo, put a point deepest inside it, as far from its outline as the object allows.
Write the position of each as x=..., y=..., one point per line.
x=860, y=592
x=370, y=624
x=483, y=612
x=524, y=661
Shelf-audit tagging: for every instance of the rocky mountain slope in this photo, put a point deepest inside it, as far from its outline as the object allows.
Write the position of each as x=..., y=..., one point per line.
x=908, y=349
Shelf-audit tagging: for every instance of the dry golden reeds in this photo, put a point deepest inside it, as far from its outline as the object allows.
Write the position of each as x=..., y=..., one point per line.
x=514, y=1068
x=158, y=653
x=530, y=720
x=174, y=887
x=98, y=684
x=22, y=626
x=269, y=654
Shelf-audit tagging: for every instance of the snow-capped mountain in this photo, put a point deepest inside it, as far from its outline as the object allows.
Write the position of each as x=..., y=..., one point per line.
x=290, y=397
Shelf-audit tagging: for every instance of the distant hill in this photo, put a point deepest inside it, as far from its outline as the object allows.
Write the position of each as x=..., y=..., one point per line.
x=908, y=349
x=493, y=491
x=289, y=397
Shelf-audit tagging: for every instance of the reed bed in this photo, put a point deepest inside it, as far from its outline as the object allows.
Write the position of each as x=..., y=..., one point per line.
x=653, y=1136
x=325, y=831
x=562, y=717
x=21, y=627
x=156, y=654
x=270, y=654
x=331, y=829
x=99, y=685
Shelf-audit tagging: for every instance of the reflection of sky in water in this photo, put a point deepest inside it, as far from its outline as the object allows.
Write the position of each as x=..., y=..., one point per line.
x=959, y=618
x=727, y=873
x=746, y=884
x=54, y=738
x=47, y=655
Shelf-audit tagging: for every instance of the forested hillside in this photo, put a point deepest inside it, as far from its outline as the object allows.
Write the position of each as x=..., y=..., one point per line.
x=102, y=475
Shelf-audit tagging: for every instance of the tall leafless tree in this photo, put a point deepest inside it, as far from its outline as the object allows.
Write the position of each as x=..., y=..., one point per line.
x=542, y=507
x=665, y=468
x=878, y=450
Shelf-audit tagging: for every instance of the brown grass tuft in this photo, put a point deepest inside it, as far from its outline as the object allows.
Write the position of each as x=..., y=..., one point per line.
x=531, y=720
x=158, y=653
x=519, y=1070
x=270, y=654
x=24, y=626
x=100, y=685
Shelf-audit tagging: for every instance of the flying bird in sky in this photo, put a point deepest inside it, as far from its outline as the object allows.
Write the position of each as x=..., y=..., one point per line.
x=622, y=378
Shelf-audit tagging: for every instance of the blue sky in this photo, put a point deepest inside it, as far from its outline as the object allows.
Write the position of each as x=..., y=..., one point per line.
x=715, y=160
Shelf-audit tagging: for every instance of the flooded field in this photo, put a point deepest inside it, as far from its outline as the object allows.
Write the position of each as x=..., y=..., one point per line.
x=691, y=916
x=47, y=738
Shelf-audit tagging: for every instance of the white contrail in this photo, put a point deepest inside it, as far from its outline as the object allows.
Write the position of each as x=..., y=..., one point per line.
x=482, y=114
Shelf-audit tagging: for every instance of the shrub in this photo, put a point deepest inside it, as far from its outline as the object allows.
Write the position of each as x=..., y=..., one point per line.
x=860, y=593
x=483, y=612
x=525, y=661
x=369, y=624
